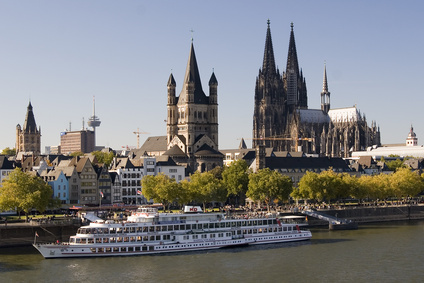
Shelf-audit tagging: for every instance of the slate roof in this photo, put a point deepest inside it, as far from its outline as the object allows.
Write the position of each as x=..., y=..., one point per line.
x=175, y=151
x=207, y=150
x=308, y=163
x=192, y=76
x=5, y=163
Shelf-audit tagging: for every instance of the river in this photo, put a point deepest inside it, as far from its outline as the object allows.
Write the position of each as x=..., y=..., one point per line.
x=387, y=252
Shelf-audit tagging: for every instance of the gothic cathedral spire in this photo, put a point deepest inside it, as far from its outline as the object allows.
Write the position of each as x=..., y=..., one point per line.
x=295, y=84
x=268, y=118
x=325, y=94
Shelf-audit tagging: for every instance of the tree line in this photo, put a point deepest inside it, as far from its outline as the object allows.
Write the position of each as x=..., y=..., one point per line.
x=235, y=182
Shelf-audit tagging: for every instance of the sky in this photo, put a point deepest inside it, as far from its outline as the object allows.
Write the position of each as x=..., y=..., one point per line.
x=60, y=54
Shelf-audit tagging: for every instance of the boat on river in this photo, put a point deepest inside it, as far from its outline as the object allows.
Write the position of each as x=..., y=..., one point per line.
x=147, y=231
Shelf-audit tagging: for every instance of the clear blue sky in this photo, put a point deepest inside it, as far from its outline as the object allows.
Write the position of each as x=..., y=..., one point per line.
x=59, y=54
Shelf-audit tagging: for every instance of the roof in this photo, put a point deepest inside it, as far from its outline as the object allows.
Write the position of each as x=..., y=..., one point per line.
x=207, y=150
x=192, y=76
x=5, y=163
x=152, y=144
x=29, y=125
x=348, y=114
x=275, y=163
x=174, y=151
x=313, y=116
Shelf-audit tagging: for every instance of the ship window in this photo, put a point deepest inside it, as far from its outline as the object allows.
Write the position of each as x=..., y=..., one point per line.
x=164, y=228
x=170, y=228
x=151, y=228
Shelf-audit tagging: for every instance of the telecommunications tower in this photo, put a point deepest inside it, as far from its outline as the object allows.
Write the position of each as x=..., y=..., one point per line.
x=94, y=121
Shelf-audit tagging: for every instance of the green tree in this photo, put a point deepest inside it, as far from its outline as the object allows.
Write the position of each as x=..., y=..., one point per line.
x=25, y=192
x=405, y=182
x=77, y=153
x=394, y=165
x=236, y=178
x=267, y=185
x=104, y=157
x=205, y=188
x=161, y=188
x=9, y=151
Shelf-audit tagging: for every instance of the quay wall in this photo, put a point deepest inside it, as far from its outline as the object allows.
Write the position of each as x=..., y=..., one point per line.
x=373, y=214
x=12, y=235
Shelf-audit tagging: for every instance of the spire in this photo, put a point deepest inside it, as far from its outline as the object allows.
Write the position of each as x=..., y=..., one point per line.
x=242, y=144
x=171, y=81
x=192, y=76
x=29, y=125
x=292, y=63
x=325, y=84
x=268, y=66
x=213, y=80
x=325, y=94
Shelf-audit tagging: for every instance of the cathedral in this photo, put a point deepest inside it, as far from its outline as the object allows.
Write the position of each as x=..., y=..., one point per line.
x=28, y=138
x=282, y=120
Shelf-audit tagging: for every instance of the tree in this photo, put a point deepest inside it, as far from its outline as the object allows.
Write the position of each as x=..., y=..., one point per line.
x=9, y=151
x=205, y=188
x=394, y=165
x=25, y=192
x=267, y=185
x=77, y=153
x=161, y=188
x=236, y=178
x=405, y=182
x=104, y=157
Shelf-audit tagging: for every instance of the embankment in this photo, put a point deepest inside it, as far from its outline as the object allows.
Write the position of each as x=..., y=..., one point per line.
x=372, y=214
x=17, y=234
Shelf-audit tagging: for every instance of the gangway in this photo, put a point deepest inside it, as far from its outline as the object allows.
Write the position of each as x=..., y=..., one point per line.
x=91, y=217
x=334, y=223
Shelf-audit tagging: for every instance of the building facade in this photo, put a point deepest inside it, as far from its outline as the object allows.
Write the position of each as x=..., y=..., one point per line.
x=282, y=120
x=74, y=141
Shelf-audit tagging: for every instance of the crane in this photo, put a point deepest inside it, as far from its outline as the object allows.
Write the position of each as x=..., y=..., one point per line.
x=138, y=133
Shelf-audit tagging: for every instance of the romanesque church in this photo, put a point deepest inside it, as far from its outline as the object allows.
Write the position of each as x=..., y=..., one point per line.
x=191, y=125
x=282, y=120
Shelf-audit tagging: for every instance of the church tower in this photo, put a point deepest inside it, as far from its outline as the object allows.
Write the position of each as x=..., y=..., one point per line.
x=269, y=119
x=325, y=94
x=412, y=139
x=192, y=122
x=294, y=82
x=28, y=138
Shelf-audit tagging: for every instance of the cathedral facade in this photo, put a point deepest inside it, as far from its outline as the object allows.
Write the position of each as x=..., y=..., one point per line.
x=28, y=137
x=282, y=120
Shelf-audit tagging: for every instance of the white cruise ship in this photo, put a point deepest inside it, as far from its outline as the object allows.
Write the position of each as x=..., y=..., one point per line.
x=148, y=232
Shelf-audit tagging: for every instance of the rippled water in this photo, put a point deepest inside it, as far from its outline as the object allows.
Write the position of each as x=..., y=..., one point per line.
x=391, y=252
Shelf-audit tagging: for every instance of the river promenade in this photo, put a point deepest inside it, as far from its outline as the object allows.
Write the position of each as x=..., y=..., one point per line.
x=48, y=230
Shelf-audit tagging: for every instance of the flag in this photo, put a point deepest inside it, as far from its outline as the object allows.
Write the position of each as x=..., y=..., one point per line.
x=138, y=192
x=36, y=234
x=101, y=193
